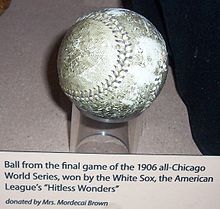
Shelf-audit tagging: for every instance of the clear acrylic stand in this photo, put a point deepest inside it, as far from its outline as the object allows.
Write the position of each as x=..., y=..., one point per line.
x=91, y=136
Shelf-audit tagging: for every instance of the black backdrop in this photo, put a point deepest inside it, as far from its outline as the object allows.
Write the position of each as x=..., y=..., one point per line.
x=192, y=32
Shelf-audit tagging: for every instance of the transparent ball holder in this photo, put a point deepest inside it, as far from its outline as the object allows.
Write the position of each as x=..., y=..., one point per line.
x=91, y=136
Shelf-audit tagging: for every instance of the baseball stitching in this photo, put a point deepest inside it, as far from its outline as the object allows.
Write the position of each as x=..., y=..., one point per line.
x=124, y=50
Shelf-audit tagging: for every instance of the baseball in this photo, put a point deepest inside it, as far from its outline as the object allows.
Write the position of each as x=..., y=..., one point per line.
x=112, y=64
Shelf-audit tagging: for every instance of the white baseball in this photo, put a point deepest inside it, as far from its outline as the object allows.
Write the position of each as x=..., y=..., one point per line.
x=112, y=64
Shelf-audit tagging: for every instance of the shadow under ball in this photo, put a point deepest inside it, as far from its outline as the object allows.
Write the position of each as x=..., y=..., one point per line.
x=112, y=64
